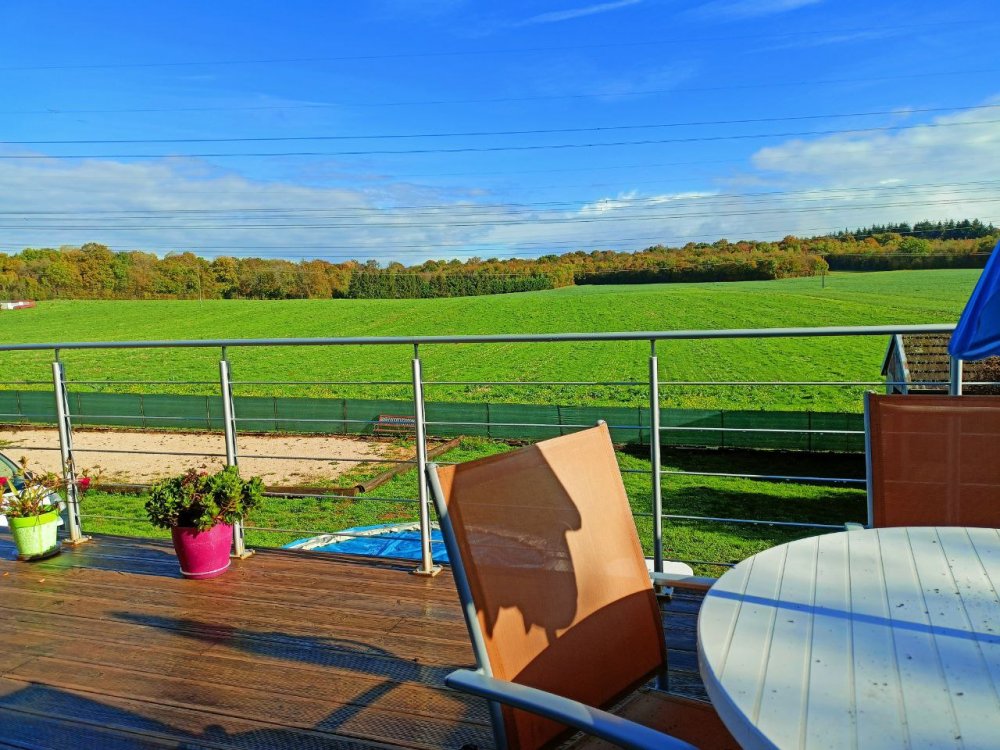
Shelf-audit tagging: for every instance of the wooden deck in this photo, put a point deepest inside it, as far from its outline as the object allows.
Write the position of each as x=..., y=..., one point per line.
x=105, y=646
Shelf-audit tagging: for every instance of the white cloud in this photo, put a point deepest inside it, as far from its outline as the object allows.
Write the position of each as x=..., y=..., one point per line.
x=811, y=41
x=949, y=147
x=809, y=187
x=940, y=170
x=636, y=203
x=572, y=13
x=799, y=186
x=733, y=10
x=611, y=87
x=175, y=204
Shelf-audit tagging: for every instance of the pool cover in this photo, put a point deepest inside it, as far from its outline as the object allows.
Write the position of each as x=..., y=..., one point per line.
x=388, y=540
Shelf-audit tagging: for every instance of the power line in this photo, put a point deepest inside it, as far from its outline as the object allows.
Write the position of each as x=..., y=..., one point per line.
x=451, y=223
x=528, y=249
x=490, y=173
x=423, y=247
x=468, y=210
x=981, y=25
x=532, y=147
x=483, y=133
x=818, y=194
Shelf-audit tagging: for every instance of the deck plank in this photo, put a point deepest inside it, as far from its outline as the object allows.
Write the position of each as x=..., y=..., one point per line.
x=107, y=647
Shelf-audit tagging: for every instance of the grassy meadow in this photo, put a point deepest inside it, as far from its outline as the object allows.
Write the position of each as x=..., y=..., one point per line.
x=898, y=297
x=847, y=299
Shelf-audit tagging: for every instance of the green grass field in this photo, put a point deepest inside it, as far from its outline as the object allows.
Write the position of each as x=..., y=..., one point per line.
x=292, y=519
x=847, y=299
x=901, y=297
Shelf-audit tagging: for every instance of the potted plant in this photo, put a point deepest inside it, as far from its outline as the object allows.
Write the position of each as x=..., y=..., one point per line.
x=200, y=510
x=30, y=504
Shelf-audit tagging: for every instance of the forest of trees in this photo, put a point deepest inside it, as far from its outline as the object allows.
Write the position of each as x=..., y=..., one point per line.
x=928, y=230
x=93, y=271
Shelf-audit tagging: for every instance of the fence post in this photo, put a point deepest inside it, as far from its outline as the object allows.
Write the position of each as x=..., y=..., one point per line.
x=655, y=458
x=955, y=377
x=232, y=456
x=74, y=527
x=869, y=487
x=427, y=566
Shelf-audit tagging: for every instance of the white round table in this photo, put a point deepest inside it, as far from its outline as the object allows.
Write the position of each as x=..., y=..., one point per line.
x=880, y=638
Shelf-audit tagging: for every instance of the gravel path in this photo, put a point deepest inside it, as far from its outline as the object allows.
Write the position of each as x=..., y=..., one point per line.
x=93, y=453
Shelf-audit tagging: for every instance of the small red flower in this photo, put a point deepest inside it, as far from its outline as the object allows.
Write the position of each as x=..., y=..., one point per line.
x=83, y=483
x=3, y=481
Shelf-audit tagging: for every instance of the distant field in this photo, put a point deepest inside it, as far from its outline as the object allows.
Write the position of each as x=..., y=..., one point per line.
x=899, y=297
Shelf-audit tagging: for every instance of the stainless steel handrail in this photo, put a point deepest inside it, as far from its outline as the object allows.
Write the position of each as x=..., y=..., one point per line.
x=722, y=333
x=650, y=337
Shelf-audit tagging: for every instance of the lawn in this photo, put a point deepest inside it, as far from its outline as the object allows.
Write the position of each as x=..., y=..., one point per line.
x=901, y=297
x=283, y=520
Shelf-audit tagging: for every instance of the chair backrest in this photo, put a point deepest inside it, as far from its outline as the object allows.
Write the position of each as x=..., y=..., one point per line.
x=933, y=460
x=543, y=543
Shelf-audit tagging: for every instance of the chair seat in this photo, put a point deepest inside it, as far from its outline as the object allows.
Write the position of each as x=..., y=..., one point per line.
x=695, y=722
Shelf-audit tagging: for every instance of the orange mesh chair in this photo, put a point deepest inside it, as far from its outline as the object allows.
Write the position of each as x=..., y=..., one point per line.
x=558, y=602
x=933, y=460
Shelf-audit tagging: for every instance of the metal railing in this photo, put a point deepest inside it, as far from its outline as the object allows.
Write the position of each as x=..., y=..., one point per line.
x=418, y=383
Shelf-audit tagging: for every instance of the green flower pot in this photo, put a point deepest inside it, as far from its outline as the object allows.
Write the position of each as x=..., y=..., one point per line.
x=36, y=536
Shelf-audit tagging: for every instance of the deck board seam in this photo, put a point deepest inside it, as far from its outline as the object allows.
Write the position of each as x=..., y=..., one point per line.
x=336, y=630
x=210, y=711
x=171, y=740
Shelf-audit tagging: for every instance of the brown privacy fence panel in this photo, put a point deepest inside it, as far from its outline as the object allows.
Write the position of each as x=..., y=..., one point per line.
x=934, y=460
x=778, y=430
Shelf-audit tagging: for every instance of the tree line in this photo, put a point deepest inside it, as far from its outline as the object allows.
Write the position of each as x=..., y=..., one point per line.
x=929, y=230
x=94, y=271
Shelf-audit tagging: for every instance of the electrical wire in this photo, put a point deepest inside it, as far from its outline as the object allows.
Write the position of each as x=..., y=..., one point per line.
x=436, y=208
x=525, y=147
x=484, y=133
x=501, y=222
x=527, y=249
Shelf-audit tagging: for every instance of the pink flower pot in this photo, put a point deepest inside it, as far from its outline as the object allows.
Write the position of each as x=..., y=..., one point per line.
x=203, y=554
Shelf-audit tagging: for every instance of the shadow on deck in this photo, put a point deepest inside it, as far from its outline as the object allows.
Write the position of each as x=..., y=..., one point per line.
x=106, y=646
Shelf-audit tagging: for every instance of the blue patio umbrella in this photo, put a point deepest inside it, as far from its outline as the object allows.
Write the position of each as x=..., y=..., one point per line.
x=977, y=334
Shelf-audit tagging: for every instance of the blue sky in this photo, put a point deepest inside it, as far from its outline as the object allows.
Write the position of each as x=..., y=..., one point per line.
x=728, y=115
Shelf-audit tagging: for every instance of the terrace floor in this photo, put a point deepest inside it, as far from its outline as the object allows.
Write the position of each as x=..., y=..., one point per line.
x=105, y=646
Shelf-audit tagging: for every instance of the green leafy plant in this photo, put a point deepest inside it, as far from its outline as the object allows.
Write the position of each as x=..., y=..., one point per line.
x=201, y=500
x=29, y=493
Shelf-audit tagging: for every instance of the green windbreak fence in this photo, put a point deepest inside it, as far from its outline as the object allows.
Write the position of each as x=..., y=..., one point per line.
x=815, y=431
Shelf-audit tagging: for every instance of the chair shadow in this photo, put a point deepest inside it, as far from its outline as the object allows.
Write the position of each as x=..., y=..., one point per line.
x=41, y=717
x=349, y=655
x=516, y=539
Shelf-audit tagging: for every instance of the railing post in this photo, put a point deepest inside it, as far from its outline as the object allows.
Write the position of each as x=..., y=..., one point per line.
x=655, y=458
x=955, y=377
x=232, y=456
x=73, y=526
x=869, y=486
x=427, y=566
